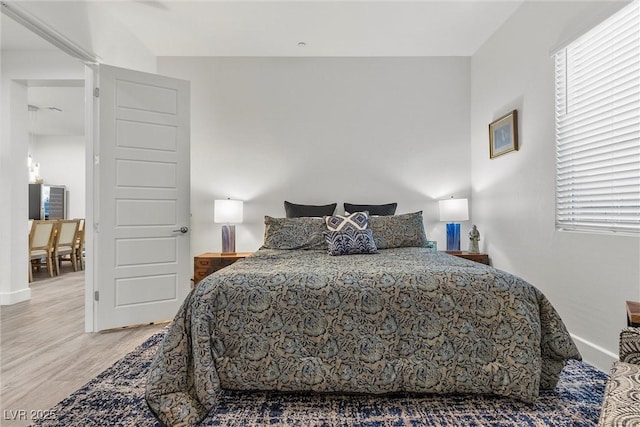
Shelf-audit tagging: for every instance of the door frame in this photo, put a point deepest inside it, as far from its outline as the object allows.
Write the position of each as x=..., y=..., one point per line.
x=91, y=182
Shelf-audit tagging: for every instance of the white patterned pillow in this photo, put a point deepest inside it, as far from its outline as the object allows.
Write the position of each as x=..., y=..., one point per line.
x=353, y=222
x=350, y=242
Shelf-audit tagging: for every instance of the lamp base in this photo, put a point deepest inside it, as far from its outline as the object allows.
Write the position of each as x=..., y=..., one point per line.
x=228, y=239
x=453, y=237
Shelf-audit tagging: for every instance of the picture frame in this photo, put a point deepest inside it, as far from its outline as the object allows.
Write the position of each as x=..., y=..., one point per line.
x=503, y=135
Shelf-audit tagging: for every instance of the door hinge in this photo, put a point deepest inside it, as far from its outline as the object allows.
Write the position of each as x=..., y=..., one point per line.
x=96, y=92
x=96, y=296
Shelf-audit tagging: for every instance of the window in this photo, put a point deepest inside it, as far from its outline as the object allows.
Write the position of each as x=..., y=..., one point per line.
x=597, y=86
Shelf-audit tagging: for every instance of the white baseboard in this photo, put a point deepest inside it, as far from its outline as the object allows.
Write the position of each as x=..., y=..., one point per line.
x=595, y=355
x=10, y=298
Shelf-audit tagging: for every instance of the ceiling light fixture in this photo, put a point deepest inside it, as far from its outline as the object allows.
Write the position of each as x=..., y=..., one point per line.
x=32, y=107
x=301, y=44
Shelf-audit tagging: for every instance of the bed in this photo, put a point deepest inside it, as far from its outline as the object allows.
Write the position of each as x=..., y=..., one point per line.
x=399, y=319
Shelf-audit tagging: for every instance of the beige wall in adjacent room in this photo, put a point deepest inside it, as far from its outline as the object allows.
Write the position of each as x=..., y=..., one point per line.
x=62, y=162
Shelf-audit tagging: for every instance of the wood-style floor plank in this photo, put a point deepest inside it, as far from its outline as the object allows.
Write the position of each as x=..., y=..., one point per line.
x=44, y=352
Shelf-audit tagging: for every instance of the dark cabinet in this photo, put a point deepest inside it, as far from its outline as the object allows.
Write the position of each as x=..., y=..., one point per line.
x=47, y=201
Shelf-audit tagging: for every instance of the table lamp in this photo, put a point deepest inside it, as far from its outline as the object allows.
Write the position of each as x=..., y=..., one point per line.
x=452, y=210
x=228, y=212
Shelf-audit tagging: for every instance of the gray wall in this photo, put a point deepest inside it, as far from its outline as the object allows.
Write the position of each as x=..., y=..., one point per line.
x=323, y=130
x=587, y=277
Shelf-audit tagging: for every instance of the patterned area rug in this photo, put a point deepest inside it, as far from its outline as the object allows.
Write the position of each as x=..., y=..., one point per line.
x=116, y=398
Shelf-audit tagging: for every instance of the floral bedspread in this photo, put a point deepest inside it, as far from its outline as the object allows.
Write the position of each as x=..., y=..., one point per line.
x=405, y=319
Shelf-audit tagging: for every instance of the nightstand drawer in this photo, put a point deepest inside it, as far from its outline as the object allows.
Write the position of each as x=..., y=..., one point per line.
x=216, y=264
x=210, y=262
x=473, y=256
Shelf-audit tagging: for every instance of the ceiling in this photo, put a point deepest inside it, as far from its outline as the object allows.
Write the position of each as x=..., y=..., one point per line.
x=56, y=110
x=275, y=28
x=251, y=28
x=15, y=37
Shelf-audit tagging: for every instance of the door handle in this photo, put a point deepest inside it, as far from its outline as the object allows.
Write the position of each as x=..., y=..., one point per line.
x=182, y=230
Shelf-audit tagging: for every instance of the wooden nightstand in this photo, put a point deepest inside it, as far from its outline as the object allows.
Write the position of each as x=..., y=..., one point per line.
x=633, y=314
x=473, y=256
x=207, y=263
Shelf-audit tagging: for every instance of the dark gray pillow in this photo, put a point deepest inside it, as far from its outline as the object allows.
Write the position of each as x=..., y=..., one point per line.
x=398, y=231
x=294, y=233
x=296, y=211
x=350, y=242
x=382, y=210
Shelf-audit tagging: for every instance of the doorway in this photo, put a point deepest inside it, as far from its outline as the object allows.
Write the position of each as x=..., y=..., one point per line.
x=137, y=188
x=56, y=152
x=42, y=87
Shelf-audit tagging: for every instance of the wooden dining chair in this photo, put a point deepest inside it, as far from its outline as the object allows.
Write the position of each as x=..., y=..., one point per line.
x=41, y=245
x=64, y=247
x=79, y=246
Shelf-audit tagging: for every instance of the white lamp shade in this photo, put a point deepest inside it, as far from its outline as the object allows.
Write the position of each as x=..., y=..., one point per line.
x=454, y=210
x=227, y=211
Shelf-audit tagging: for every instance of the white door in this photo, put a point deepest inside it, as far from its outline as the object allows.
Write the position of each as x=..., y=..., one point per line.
x=141, y=264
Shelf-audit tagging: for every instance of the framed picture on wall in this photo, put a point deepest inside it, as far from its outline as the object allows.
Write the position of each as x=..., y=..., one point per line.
x=503, y=135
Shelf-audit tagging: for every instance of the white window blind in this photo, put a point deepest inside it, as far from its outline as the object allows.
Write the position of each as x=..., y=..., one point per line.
x=597, y=86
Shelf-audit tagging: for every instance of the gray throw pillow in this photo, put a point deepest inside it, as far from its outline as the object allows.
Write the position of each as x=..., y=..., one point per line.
x=294, y=233
x=398, y=231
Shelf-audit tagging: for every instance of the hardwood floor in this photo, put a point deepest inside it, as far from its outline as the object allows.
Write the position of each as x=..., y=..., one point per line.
x=45, y=353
